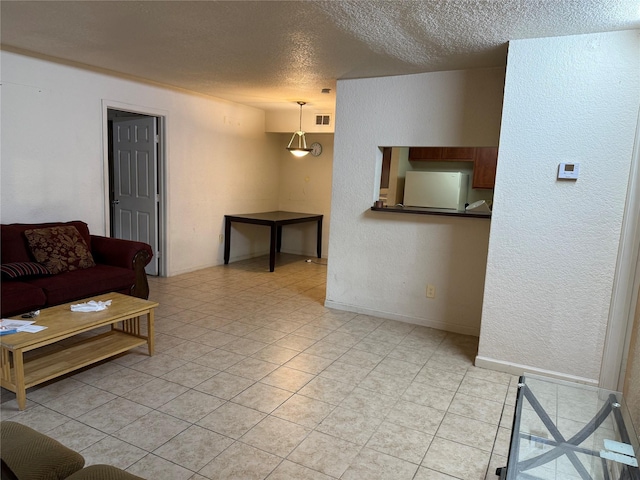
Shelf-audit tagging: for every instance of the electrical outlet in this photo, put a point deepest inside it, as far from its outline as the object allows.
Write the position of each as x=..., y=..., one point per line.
x=221, y=238
x=431, y=291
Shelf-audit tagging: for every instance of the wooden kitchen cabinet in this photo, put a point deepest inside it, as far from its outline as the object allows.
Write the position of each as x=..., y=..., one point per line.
x=386, y=167
x=443, y=154
x=458, y=153
x=420, y=154
x=485, y=162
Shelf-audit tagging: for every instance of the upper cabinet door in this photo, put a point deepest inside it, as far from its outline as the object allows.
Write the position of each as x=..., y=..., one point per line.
x=485, y=160
x=484, y=167
x=458, y=153
x=425, y=153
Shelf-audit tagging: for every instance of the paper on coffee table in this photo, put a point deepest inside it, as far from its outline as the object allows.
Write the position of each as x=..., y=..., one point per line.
x=9, y=324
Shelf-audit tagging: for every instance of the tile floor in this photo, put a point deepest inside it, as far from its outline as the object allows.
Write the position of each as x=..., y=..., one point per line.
x=253, y=378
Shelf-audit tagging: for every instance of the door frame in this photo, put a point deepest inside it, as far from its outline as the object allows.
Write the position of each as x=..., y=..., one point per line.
x=633, y=330
x=163, y=147
x=621, y=310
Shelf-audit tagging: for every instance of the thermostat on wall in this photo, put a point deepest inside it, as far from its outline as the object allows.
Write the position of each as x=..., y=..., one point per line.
x=568, y=171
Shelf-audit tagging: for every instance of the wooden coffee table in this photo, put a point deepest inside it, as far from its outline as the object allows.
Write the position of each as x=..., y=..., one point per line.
x=123, y=315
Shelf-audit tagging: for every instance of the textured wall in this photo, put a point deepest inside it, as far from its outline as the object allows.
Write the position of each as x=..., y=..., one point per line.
x=305, y=186
x=219, y=158
x=554, y=244
x=381, y=263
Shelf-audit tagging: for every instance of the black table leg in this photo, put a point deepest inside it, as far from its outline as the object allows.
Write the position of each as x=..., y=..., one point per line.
x=227, y=240
x=279, y=244
x=320, y=238
x=272, y=248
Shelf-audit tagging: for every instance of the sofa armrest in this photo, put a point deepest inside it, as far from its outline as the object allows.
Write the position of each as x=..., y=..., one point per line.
x=126, y=254
x=102, y=472
x=117, y=252
x=27, y=453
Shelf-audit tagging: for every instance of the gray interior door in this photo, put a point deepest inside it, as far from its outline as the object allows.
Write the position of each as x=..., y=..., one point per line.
x=135, y=182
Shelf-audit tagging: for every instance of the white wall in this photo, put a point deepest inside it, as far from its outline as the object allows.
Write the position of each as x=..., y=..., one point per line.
x=381, y=263
x=219, y=158
x=305, y=186
x=288, y=121
x=554, y=244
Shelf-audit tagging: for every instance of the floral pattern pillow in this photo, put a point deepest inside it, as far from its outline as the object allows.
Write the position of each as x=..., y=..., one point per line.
x=60, y=249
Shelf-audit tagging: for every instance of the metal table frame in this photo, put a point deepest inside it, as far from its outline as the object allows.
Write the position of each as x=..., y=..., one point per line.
x=518, y=468
x=274, y=220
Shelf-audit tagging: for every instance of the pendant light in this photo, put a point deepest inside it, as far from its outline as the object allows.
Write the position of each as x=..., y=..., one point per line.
x=301, y=150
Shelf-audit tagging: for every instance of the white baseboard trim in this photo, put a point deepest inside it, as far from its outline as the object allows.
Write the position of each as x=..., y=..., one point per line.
x=182, y=271
x=239, y=258
x=447, y=327
x=518, y=369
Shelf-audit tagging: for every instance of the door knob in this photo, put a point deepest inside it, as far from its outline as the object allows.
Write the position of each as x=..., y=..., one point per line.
x=115, y=202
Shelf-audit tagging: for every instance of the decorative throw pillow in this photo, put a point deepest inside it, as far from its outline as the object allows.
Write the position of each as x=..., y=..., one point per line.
x=23, y=269
x=60, y=249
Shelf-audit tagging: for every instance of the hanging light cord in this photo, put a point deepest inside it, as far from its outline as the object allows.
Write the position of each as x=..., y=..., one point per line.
x=301, y=104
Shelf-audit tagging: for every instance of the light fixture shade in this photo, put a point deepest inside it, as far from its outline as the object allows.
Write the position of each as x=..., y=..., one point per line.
x=301, y=149
x=298, y=153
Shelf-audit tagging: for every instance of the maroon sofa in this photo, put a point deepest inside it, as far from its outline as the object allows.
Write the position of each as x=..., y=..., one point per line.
x=119, y=267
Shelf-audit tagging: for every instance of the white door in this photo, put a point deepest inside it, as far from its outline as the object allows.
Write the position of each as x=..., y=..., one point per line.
x=135, y=183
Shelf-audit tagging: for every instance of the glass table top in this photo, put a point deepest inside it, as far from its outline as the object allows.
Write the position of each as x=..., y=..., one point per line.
x=568, y=431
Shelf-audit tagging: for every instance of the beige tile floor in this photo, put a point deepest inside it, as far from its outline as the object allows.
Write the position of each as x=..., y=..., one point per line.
x=253, y=378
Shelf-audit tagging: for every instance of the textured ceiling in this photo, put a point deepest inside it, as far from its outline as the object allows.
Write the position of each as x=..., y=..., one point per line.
x=268, y=54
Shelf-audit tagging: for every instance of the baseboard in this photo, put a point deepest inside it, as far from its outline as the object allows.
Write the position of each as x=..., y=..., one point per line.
x=240, y=258
x=518, y=369
x=447, y=327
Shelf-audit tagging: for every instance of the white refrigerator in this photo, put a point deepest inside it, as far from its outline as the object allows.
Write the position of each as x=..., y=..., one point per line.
x=446, y=190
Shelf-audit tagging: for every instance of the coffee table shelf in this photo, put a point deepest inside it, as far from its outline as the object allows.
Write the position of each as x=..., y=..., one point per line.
x=92, y=350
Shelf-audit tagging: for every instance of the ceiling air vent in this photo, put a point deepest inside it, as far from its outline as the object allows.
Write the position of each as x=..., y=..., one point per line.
x=324, y=119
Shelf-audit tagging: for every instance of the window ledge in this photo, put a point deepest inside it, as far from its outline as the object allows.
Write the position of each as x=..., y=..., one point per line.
x=431, y=211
